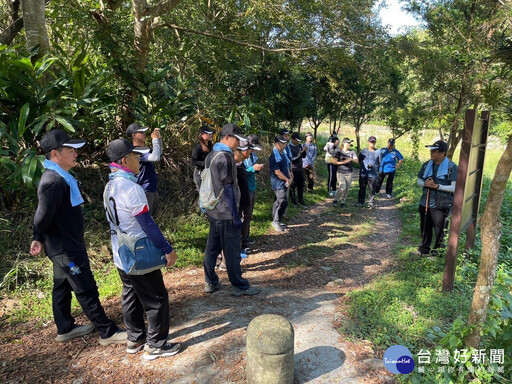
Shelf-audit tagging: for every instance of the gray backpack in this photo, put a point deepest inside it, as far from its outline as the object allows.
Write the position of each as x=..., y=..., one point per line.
x=207, y=198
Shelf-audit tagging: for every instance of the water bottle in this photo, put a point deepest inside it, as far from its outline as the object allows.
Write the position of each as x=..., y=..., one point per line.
x=74, y=269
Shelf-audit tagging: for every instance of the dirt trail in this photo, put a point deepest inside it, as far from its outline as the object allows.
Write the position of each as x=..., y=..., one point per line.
x=303, y=275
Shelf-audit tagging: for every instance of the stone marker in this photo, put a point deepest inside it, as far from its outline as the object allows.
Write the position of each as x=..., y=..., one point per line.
x=270, y=350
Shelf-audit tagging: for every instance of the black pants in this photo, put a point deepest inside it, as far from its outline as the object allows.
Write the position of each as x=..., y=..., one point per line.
x=246, y=215
x=145, y=294
x=389, y=181
x=309, y=175
x=223, y=237
x=297, y=184
x=86, y=292
x=365, y=181
x=432, y=222
x=332, y=169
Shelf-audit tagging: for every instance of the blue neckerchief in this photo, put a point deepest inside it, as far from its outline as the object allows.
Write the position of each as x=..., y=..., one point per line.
x=221, y=147
x=253, y=158
x=277, y=155
x=117, y=170
x=441, y=171
x=75, y=195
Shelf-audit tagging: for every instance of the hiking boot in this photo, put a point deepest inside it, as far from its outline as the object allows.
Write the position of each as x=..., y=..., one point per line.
x=117, y=338
x=78, y=331
x=134, y=346
x=210, y=288
x=249, y=292
x=168, y=349
x=278, y=226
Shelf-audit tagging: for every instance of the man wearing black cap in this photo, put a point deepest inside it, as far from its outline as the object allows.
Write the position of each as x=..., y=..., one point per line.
x=225, y=222
x=59, y=225
x=125, y=203
x=391, y=160
x=147, y=177
x=369, y=158
x=280, y=180
x=437, y=177
x=298, y=153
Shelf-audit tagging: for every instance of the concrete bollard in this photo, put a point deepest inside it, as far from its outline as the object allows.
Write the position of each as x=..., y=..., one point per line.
x=270, y=350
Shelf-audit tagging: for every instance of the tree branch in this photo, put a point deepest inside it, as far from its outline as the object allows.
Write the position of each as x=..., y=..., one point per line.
x=235, y=41
x=9, y=33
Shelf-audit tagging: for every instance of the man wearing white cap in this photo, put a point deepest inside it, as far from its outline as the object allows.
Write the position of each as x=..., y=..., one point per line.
x=147, y=178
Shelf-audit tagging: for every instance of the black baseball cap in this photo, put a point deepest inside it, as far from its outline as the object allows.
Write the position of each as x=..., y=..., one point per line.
x=284, y=131
x=205, y=129
x=232, y=129
x=255, y=143
x=440, y=145
x=347, y=140
x=244, y=145
x=391, y=141
x=280, y=139
x=134, y=128
x=373, y=139
x=296, y=136
x=119, y=148
x=57, y=138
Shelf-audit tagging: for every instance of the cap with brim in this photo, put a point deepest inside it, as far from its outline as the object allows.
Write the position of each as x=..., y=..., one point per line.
x=57, y=138
x=296, y=136
x=280, y=139
x=347, y=140
x=205, y=129
x=119, y=148
x=232, y=130
x=391, y=141
x=439, y=145
x=255, y=143
x=134, y=128
x=372, y=139
x=284, y=131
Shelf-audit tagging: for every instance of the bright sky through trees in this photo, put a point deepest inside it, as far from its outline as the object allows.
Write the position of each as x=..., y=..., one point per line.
x=395, y=18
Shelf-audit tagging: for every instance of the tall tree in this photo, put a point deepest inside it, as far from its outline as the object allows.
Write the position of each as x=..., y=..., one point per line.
x=34, y=20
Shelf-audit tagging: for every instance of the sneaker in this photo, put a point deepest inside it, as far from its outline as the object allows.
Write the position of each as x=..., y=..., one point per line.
x=135, y=346
x=371, y=205
x=251, y=241
x=246, y=250
x=342, y=205
x=389, y=197
x=249, y=292
x=168, y=349
x=278, y=226
x=334, y=203
x=78, y=331
x=117, y=338
x=359, y=205
x=303, y=205
x=210, y=288
x=332, y=193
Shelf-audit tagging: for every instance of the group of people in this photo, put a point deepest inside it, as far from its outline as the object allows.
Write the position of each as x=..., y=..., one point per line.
x=375, y=166
x=131, y=201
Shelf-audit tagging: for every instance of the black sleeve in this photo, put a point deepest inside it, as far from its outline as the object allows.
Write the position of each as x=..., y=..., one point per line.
x=50, y=198
x=198, y=156
x=225, y=169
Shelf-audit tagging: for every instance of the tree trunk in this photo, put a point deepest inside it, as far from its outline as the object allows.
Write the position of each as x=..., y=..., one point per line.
x=34, y=20
x=142, y=27
x=490, y=230
x=15, y=23
x=455, y=131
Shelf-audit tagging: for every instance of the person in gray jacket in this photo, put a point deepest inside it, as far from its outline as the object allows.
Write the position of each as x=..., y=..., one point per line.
x=225, y=222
